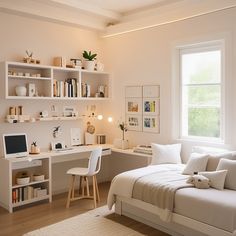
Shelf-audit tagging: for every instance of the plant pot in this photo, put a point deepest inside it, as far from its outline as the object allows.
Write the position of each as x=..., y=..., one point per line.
x=89, y=65
x=121, y=144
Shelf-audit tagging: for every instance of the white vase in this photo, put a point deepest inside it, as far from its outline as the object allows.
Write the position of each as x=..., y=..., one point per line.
x=89, y=65
x=20, y=90
x=121, y=144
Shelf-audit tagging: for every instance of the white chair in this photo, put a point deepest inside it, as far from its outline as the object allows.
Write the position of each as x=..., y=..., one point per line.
x=94, y=166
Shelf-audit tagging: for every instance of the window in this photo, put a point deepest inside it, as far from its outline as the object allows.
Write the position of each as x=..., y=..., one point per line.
x=201, y=92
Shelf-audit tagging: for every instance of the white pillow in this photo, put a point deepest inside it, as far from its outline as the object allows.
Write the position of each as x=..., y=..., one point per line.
x=230, y=165
x=214, y=159
x=197, y=162
x=162, y=154
x=217, y=178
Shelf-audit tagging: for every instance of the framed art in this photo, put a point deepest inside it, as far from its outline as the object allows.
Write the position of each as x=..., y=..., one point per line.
x=134, y=122
x=151, y=124
x=133, y=92
x=151, y=106
x=151, y=91
x=134, y=105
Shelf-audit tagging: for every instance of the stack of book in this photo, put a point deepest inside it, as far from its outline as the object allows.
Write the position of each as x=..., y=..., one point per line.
x=27, y=193
x=67, y=88
x=145, y=149
x=85, y=90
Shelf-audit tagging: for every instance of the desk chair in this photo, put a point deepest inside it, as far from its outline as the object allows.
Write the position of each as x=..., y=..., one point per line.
x=93, y=168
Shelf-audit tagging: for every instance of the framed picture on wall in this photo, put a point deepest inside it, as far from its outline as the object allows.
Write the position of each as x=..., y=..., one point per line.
x=133, y=106
x=151, y=106
x=151, y=91
x=134, y=122
x=151, y=124
x=133, y=92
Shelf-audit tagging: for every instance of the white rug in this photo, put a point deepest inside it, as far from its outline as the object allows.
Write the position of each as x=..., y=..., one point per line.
x=92, y=223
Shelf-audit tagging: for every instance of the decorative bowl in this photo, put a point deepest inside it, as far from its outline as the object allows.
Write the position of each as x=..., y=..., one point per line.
x=38, y=177
x=23, y=180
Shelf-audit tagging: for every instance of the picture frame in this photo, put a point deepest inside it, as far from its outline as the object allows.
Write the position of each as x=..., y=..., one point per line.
x=133, y=106
x=151, y=106
x=69, y=111
x=151, y=91
x=134, y=122
x=57, y=145
x=133, y=92
x=151, y=124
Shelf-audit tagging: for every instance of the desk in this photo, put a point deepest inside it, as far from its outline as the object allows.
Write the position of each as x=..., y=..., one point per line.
x=12, y=194
x=43, y=163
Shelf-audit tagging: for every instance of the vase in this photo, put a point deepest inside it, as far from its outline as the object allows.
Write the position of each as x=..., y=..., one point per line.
x=121, y=144
x=20, y=90
x=89, y=65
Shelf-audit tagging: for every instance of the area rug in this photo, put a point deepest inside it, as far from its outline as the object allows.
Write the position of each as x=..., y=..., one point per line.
x=92, y=223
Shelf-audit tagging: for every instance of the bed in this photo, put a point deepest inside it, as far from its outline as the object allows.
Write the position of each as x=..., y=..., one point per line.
x=194, y=212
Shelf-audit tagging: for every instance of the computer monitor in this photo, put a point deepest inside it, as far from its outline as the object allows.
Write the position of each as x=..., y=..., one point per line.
x=15, y=145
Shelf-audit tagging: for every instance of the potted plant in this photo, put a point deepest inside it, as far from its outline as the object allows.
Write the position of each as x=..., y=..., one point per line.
x=89, y=63
x=122, y=143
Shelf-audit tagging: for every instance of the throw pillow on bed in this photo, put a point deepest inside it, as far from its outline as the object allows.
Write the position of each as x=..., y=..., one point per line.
x=214, y=159
x=197, y=162
x=230, y=165
x=217, y=178
x=164, y=154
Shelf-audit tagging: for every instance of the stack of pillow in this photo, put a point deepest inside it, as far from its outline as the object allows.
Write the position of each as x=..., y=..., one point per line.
x=207, y=166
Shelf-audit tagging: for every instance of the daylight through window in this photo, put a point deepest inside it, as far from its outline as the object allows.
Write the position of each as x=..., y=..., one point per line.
x=201, y=92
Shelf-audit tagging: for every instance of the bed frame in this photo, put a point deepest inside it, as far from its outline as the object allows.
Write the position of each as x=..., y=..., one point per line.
x=180, y=225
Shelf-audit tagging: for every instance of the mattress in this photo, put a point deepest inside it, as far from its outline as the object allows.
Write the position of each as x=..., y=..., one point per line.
x=210, y=206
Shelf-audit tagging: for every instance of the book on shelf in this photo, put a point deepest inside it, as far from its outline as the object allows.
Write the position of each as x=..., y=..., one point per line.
x=26, y=193
x=67, y=88
x=144, y=149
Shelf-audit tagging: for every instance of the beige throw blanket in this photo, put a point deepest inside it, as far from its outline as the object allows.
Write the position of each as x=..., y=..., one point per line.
x=123, y=185
x=159, y=189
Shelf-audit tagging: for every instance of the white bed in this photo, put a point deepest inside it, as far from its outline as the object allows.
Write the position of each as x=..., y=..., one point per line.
x=196, y=211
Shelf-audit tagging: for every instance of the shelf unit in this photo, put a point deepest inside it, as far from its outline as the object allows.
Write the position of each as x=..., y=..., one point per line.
x=55, y=83
x=14, y=195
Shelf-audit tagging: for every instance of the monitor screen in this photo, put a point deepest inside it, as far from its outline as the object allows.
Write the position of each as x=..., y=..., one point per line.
x=15, y=145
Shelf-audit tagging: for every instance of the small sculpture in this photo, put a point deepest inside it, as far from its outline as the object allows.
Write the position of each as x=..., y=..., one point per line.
x=56, y=131
x=29, y=58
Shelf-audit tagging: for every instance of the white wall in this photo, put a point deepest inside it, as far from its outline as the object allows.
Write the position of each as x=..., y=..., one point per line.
x=145, y=57
x=46, y=40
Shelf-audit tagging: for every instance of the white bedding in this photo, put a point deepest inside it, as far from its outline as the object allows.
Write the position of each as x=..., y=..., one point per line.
x=210, y=206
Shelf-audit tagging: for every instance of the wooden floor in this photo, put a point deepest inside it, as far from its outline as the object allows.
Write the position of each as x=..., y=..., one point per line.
x=39, y=215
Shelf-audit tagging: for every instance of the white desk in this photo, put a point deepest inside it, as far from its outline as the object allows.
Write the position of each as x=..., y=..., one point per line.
x=38, y=163
x=42, y=163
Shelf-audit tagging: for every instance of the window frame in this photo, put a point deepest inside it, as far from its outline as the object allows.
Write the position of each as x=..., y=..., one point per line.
x=198, y=48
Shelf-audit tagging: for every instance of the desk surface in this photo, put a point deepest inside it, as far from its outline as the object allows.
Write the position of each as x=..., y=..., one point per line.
x=54, y=154
x=74, y=150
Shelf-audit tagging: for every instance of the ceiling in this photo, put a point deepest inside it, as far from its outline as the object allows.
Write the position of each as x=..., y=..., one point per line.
x=113, y=17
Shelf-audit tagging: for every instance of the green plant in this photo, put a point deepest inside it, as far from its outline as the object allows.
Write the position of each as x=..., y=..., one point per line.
x=89, y=56
x=124, y=129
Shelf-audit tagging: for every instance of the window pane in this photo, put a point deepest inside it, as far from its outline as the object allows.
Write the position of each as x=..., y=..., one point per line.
x=203, y=67
x=204, y=122
x=207, y=95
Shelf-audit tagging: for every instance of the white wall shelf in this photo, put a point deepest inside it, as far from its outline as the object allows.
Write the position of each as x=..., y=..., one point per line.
x=55, y=83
